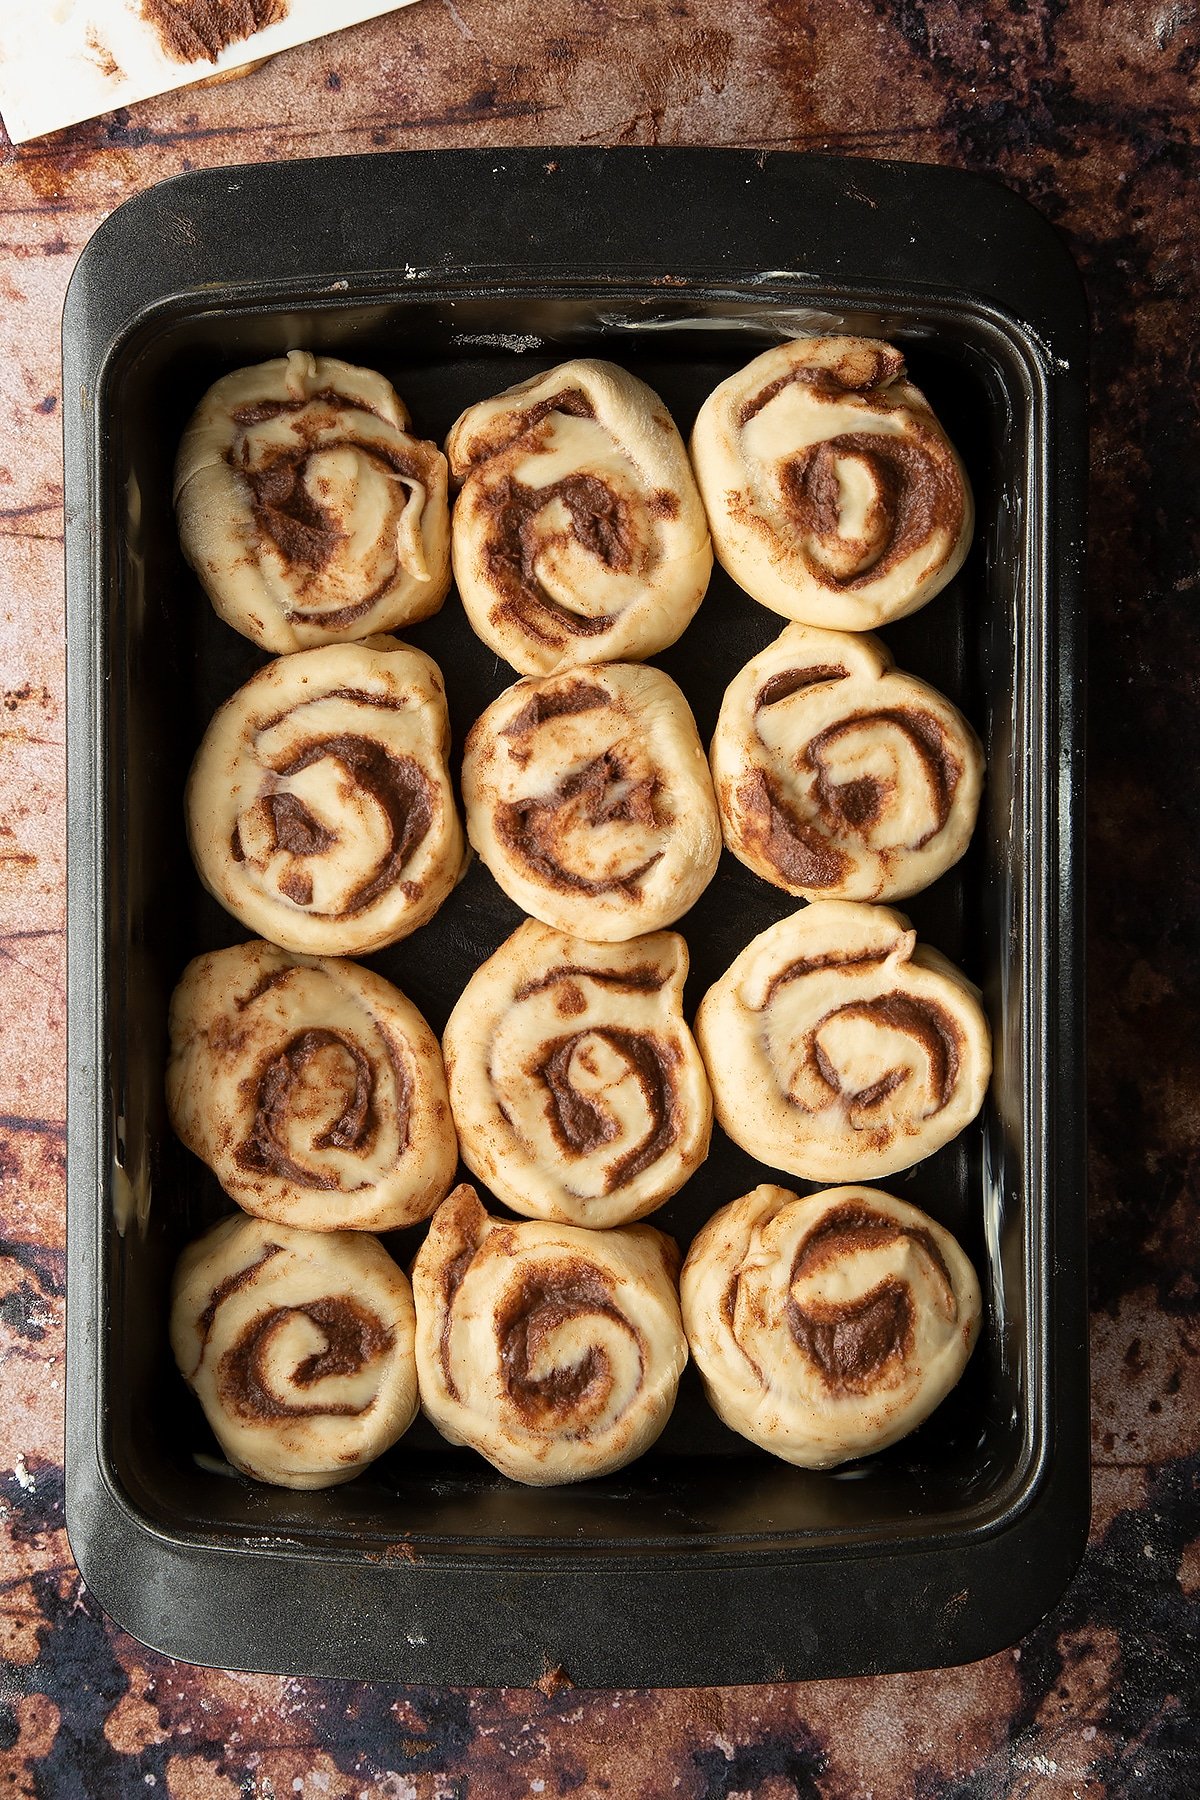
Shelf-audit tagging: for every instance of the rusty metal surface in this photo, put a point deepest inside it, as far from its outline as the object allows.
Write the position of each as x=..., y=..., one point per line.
x=1090, y=109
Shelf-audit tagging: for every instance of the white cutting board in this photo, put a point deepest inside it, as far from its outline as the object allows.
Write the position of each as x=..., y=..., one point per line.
x=66, y=60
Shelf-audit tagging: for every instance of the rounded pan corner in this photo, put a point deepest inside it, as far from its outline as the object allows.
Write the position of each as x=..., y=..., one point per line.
x=114, y=273
x=1036, y=1575
x=95, y=1530
x=107, y=1540
x=1028, y=247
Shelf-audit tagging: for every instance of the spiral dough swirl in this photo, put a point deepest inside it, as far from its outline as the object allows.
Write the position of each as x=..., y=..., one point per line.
x=299, y=1347
x=553, y=1351
x=589, y=798
x=837, y=1047
x=320, y=811
x=578, y=1090
x=833, y=495
x=578, y=535
x=827, y=1328
x=837, y=776
x=312, y=1088
x=307, y=510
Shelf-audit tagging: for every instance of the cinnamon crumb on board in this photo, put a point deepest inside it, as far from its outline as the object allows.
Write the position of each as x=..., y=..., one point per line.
x=192, y=30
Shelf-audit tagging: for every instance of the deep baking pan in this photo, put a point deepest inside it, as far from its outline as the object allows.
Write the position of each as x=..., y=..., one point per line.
x=456, y=274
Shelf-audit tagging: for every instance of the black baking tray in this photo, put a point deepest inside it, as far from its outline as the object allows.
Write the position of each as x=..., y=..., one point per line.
x=457, y=273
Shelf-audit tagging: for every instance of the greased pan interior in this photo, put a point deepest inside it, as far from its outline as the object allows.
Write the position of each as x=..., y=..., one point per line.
x=664, y=1572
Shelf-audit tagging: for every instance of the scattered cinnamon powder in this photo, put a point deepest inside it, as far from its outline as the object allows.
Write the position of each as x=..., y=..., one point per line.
x=103, y=58
x=401, y=1552
x=553, y=1680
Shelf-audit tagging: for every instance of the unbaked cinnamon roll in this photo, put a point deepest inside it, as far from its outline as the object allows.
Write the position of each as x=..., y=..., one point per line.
x=312, y=1088
x=555, y=1352
x=319, y=807
x=299, y=1347
x=576, y=1086
x=589, y=798
x=827, y=1328
x=579, y=535
x=308, y=511
x=840, y=777
x=833, y=495
x=838, y=1047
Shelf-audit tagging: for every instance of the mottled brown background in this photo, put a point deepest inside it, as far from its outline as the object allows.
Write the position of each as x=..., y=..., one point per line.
x=1088, y=108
